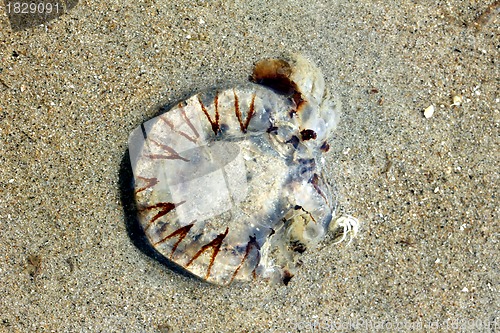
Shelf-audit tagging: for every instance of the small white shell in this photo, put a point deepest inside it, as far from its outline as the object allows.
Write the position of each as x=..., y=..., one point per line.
x=228, y=184
x=429, y=111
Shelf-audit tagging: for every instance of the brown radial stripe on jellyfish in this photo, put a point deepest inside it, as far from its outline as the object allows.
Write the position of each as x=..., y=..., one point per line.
x=165, y=208
x=251, y=110
x=251, y=243
x=215, y=244
x=315, y=182
x=173, y=154
x=181, y=233
x=187, y=121
x=150, y=182
x=214, y=123
x=308, y=134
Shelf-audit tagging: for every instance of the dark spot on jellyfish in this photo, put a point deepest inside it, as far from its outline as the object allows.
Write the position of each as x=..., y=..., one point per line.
x=273, y=130
x=275, y=74
x=297, y=207
x=294, y=141
x=308, y=134
x=325, y=147
x=297, y=246
x=162, y=226
x=287, y=276
x=224, y=128
x=239, y=249
x=307, y=165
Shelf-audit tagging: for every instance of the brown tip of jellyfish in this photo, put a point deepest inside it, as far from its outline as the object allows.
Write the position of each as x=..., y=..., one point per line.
x=275, y=74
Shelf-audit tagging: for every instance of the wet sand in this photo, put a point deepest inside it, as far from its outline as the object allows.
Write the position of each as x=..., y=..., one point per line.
x=425, y=189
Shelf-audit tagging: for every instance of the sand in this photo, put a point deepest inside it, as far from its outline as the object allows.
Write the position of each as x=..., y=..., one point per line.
x=424, y=188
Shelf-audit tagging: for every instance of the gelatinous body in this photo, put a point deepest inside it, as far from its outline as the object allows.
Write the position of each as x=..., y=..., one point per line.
x=228, y=183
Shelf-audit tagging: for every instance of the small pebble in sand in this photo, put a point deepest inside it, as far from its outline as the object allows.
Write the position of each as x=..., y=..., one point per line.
x=457, y=100
x=429, y=111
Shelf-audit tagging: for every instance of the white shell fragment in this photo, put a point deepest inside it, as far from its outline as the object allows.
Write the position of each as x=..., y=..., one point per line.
x=429, y=111
x=228, y=184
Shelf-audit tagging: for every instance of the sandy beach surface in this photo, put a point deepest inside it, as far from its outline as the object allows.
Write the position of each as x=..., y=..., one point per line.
x=424, y=188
